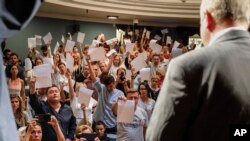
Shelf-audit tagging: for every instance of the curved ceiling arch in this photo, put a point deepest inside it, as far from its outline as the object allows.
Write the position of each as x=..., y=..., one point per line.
x=149, y=12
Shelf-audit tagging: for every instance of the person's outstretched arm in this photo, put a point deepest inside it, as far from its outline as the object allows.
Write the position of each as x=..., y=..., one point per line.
x=56, y=126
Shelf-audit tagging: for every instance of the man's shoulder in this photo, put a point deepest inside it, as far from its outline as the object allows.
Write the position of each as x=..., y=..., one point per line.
x=118, y=92
x=66, y=107
x=196, y=57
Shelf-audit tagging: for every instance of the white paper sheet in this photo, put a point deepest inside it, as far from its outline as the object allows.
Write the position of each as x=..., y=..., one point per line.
x=110, y=41
x=157, y=37
x=97, y=54
x=129, y=47
x=28, y=64
x=145, y=74
x=111, y=52
x=31, y=42
x=152, y=43
x=163, y=31
x=38, y=40
x=70, y=62
x=99, y=37
x=119, y=34
x=125, y=111
x=49, y=61
x=138, y=63
x=69, y=46
x=156, y=48
x=148, y=34
x=84, y=95
x=95, y=43
x=176, y=44
x=42, y=70
x=168, y=40
x=80, y=37
x=144, y=54
x=43, y=82
x=56, y=48
x=47, y=38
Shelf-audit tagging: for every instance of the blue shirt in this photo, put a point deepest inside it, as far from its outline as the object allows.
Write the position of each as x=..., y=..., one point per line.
x=65, y=117
x=105, y=101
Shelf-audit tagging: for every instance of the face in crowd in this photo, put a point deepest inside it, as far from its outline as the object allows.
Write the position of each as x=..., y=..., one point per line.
x=53, y=95
x=156, y=60
x=36, y=134
x=117, y=61
x=133, y=96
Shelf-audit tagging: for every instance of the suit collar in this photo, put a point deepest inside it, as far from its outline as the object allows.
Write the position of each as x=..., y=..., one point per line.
x=224, y=34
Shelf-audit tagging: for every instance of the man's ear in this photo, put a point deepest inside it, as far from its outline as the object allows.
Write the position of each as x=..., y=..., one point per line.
x=210, y=21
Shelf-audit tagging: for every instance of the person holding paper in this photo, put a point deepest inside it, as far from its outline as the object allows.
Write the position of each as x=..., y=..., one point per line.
x=107, y=95
x=136, y=130
x=62, y=112
x=207, y=91
x=83, y=113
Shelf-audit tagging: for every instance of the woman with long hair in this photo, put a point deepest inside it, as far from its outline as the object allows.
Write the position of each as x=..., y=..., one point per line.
x=145, y=101
x=15, y=83
x=17, y=108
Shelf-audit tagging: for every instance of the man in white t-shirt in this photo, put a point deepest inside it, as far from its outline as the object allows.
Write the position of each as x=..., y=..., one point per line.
x=132, y=131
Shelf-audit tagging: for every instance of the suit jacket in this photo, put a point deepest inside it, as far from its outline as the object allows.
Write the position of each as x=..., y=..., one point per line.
x=204, y=92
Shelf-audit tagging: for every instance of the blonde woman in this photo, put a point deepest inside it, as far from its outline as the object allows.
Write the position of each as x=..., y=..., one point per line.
x=19, y=113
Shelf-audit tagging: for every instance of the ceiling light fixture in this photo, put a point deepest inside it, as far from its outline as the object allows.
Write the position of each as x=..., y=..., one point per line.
x=112, y=17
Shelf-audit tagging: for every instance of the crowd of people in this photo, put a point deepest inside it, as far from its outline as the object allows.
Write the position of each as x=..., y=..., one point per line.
x=204, y=93
x=111, y=79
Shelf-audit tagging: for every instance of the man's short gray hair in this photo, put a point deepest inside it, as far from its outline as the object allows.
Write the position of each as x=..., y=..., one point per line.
x=236, y=10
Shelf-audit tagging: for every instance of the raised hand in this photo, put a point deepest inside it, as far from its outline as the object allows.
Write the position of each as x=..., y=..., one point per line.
x=32, y=85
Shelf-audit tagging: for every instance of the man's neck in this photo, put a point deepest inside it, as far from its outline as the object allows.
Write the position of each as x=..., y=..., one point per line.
x=55, y=105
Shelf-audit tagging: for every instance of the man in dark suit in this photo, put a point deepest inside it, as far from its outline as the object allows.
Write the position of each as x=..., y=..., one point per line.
x=207, y=90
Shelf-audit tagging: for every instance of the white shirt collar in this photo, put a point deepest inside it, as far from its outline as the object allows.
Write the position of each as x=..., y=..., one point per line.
x=222, y=32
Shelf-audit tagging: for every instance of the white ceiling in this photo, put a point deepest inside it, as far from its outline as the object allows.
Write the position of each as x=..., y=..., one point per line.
x=168, y=13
